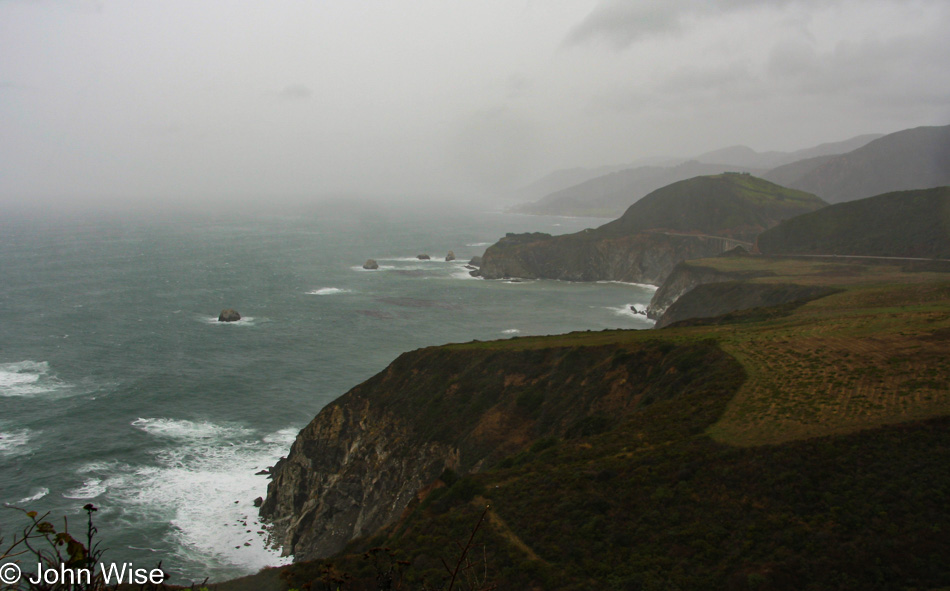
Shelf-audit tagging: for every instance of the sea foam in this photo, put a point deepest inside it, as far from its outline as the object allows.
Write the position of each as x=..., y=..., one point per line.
x=646, y=286
x=39, y=494
x=328, y=291
x=244, y=321
x=13, y=443
x=90, y=489
x=203, y=482
x=27, y=378
x=627, y=311
x=190, y=430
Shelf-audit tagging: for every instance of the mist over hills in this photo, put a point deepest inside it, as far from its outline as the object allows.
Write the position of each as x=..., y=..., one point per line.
x=609, y=191
x=916, y=158
x=609, y=195
x=745, y=156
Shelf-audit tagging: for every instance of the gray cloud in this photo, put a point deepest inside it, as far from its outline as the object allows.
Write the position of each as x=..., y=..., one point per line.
x=872, y=68
x=202, y=100
x=516, y=86
x=494, y=148
x=296, y=92
x=621, y=23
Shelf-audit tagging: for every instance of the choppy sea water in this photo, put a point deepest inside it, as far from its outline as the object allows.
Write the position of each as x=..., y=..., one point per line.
x=119, y=387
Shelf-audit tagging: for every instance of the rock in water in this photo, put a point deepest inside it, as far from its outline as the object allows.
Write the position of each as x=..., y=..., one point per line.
x=450, y=256
x=476, y=261
x=370, y=264
x=229, y=315
x=423, y=257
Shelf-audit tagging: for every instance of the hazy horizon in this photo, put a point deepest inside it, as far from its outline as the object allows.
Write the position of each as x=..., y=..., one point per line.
x=169, y=105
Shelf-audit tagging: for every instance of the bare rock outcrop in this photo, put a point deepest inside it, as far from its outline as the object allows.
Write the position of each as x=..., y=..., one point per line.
x=229, y=315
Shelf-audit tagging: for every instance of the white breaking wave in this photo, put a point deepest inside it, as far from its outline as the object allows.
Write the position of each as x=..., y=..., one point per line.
x=431, y=259
x=204, y=482
x=646, y=286
x=461, y=272
x=244, y=321
x=27, y=378
x=90, y=489
x=39, y=494
x=511, y=331
x=381, y=268
x=14, y=443
x=479, y=244
x=328, y=291
x=284, y=437
x=189, y=430
x=633, y=311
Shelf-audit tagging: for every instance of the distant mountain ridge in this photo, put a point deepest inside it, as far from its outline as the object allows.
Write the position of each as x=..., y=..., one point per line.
x=560, y=179
x=611, y=194
x=609, y=191
x=745, y=156
x=916, y=158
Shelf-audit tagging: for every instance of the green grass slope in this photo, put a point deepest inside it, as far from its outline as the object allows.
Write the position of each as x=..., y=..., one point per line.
x=901, y=224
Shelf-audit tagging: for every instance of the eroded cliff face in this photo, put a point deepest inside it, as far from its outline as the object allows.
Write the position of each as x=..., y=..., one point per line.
x=684, y=278
x=697, y=293
x=349, y=473
x=362, y=460
x=638, y=258
x=737, y=301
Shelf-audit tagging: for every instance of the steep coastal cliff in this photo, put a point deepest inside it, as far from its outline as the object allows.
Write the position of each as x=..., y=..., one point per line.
x=637, y=258
x=686, y=277
x=358, y=465
x=714, y=302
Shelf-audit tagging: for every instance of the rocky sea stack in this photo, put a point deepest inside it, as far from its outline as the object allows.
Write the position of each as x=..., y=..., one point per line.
x=423, y=257
x=450, y=256
x=229, y=315
x=371, y=264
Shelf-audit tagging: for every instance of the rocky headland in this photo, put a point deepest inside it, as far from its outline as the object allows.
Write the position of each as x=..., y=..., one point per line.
x=695, y=218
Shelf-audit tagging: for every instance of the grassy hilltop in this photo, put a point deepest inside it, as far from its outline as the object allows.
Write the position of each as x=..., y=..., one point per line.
x=733, y=205
x=798, y=447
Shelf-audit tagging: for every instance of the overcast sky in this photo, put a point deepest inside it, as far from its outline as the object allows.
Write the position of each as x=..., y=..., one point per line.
x=165, y=101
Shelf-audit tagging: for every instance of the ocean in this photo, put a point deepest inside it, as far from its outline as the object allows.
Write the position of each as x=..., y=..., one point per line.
x=118, y=386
